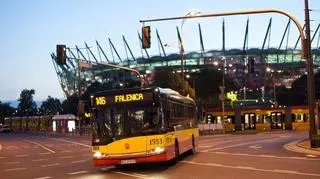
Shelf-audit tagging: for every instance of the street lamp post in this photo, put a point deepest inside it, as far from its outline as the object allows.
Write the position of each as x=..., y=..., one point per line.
x=305, y=45
x=181, y=45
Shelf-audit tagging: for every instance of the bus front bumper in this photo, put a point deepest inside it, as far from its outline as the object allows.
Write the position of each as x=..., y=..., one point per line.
x=124, y=159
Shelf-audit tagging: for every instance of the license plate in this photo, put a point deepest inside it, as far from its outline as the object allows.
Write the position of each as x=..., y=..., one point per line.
x=128, y=161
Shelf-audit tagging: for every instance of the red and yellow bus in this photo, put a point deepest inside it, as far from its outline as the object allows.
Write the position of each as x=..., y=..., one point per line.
x=142, y=125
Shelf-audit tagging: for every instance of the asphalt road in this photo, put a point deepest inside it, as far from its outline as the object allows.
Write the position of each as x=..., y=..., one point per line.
x=222, y=156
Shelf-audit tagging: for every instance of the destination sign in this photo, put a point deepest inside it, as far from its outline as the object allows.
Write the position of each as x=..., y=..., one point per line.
x=128, y=97
x=122, y=98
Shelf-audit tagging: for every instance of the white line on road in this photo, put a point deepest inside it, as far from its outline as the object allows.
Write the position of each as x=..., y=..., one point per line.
x=205, y=146
x=76, y=173
x=84, y=145
x=255, y=146
x=237, y=145
x=50, y=165
x=252, y=168
x=47, y=177
x=142, y=175
x=38, y=160
x=23, y=155
x=10, y=163
x=3, y=157
x=67, y=151
x=67, y=156
x=264, y=156
x=131, y=175
x=40, y=145
x=14, y=169
x=12, y=147
x=45, y=153
x=78, y=161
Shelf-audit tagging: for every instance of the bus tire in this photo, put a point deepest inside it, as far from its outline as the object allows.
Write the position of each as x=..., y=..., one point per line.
x=176, y=151
x=193, y=149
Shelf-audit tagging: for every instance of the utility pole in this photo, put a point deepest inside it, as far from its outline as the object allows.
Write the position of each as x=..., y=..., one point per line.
x=310, y=82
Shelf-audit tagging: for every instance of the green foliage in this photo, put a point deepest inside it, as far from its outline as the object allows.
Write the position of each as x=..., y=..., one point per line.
x=51, y=106
x=165, y=78
x=27, y=106
x=69, y=105
x=5, y=111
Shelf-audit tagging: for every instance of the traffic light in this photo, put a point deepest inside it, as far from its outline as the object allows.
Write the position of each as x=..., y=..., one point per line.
x=61, y=54
x=251, y=64
x=146, y=37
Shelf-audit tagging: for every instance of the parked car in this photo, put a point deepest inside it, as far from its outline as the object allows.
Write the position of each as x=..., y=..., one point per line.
x=5, y=128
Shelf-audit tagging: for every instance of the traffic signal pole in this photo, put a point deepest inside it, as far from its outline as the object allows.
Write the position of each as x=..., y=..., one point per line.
x=305, y=47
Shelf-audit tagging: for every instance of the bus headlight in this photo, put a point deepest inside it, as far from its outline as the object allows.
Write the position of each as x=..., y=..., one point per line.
x=157, y=150
x=98, y=155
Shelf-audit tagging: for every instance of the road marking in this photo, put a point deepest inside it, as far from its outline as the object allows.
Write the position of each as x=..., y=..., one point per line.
x=286, y=171
x=264, y=156
x=3, y=157
x=312, y=156
x=84, y=145
x=142, y=175
x=252, y=168
x=76, y=173
x=255, y=146
x=23, y=155
x=14, y=169
x=38, y=160
x=47, y=177
x=79, y=161
x=131, y=175
x=40, y=145
x=67, y=156
x=237, y=145
x=45, y=153
x=12, y=147
x=205, y=146
x=10, y=163
x=50, y=165
x=67, y=151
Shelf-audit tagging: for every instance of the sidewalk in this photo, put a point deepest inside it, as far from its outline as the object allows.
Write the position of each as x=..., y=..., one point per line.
x=303, y=146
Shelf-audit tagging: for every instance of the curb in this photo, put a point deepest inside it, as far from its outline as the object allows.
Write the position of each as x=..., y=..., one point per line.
x=295, y=147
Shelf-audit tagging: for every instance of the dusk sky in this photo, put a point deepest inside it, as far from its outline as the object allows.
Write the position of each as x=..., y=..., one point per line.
x=30, y=30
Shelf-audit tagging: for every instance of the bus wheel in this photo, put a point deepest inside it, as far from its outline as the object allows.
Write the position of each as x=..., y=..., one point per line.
x=174, y=160
x=193, y=150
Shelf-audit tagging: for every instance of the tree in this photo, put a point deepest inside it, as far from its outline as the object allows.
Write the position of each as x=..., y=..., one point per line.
x=27, y=106
x=165, y=78
x=5, y=111
x=69, y=105
x=51, y=106
x=207, y=84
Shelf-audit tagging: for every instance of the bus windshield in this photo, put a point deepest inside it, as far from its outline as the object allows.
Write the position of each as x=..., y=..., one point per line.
x=123, y=121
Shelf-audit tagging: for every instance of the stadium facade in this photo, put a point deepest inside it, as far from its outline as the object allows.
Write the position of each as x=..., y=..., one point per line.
x=272, y=66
